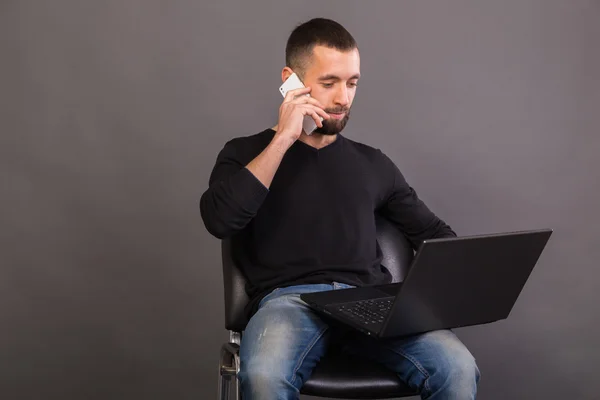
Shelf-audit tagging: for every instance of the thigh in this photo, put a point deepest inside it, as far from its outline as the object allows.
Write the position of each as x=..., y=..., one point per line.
x=284, y=340
x=418, y=358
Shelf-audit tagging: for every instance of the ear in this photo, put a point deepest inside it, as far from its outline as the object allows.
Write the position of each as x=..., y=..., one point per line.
x=286, y=73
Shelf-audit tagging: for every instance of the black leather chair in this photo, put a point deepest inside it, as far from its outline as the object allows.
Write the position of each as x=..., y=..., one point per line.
x=336, y=375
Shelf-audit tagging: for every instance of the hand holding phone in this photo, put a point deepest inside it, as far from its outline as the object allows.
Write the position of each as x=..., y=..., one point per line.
x=309, y=123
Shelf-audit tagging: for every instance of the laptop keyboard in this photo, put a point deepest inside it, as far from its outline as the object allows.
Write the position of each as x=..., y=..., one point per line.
x=367, y=312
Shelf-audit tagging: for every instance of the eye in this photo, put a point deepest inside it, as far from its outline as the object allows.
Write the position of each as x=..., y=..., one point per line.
x=327, y=85
x=353, y=84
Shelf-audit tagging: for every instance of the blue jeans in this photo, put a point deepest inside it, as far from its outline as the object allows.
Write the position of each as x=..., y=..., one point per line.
x=285, y=340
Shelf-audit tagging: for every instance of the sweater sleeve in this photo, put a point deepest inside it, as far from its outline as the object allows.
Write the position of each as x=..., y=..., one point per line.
x=403, y=207
x=234, y=195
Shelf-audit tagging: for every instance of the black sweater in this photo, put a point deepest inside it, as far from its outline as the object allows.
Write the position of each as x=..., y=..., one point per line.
x=316, y=222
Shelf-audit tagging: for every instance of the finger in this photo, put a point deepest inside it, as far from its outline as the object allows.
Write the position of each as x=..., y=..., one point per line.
x=315, y=116
x=292, y=94
x=320, y=111
x=309, y=109
x=309, y=100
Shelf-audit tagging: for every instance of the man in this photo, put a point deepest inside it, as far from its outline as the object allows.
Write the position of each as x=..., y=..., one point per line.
x=300, y=211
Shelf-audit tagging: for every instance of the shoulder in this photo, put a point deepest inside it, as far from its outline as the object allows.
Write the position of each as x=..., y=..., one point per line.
x=380, y=163
x=369, y=153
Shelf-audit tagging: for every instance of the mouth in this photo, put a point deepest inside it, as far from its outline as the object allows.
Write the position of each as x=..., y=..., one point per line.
x=337, y=115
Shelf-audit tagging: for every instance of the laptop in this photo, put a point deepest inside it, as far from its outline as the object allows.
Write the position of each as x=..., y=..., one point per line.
x=452, y=283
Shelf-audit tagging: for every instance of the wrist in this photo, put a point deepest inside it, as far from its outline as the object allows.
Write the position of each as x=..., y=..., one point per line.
x=281, y=143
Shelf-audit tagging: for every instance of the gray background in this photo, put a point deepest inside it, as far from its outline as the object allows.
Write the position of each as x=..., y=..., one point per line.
x=112, y=113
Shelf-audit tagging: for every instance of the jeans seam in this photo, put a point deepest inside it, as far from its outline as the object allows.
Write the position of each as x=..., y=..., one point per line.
x=305, y=353
x=416, y=363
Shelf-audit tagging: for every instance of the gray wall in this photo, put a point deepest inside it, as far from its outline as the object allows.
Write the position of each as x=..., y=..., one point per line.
x=112, y=113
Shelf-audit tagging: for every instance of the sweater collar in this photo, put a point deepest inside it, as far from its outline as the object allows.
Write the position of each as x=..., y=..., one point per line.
x=300, y=144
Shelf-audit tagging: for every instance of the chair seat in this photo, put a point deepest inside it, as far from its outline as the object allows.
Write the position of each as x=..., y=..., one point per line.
x=341, y=376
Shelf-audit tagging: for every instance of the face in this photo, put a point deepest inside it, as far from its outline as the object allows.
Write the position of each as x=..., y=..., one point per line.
x=333, y=76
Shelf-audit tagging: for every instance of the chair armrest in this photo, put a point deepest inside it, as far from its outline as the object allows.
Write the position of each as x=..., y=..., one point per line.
x=230, y=359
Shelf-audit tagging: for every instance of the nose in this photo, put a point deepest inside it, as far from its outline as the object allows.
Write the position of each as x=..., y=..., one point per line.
x=341, y=96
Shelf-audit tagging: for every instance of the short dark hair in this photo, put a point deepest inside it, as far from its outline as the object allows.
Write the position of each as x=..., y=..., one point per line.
x=317, y=31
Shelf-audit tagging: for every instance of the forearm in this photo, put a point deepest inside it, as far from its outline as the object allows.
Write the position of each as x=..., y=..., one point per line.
x=434, y=229
x=236, y=192
x=404, y=207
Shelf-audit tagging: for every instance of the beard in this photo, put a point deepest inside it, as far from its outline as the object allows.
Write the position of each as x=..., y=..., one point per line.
x=334, y=126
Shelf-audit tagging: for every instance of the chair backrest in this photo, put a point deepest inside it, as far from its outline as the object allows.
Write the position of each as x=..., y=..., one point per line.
x=397, y=256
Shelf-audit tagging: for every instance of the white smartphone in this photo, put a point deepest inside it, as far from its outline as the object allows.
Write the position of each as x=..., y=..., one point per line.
x=291, y=83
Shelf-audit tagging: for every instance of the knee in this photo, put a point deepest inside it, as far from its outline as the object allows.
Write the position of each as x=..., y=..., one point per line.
x=456, y=377
x=262, y=377
x=462, y=371
x=258, y=381
x=456, y=374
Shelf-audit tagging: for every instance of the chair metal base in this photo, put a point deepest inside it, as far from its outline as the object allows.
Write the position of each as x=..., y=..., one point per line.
x=229, y=367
